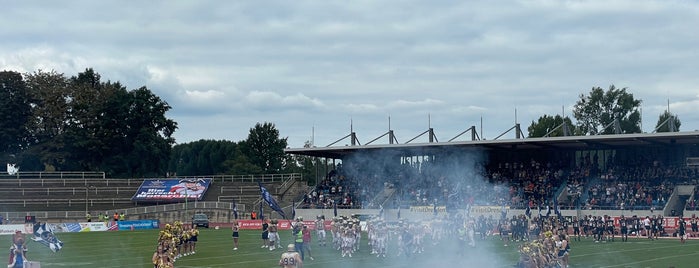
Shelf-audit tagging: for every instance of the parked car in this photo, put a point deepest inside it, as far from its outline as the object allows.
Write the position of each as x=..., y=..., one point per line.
x=200, y=220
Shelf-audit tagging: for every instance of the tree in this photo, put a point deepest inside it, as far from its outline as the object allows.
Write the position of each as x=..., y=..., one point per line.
x=665, y=121
x=547, y=123
x=15, y=112
x=264, y=148
x=596, y=113
x=50, y=103
x=148, y=134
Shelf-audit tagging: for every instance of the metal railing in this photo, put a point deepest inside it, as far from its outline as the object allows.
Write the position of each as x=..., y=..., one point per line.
x=248, y=178
x=55, y=175
x=18, y=217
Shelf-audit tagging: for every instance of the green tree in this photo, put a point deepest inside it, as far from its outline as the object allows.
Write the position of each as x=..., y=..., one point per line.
x=148, y=136
x=50, y=105
x=664, y=122
x=596, y=112
x=264, y=148
x=204, y=157
x=15, y=112
x=95, y=129
x=547, y=123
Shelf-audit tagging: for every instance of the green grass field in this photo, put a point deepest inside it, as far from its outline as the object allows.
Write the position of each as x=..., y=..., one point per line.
x=134, y=249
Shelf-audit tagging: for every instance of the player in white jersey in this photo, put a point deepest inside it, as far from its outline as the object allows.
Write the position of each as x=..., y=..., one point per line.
x=320, y=230
x=470, y=225
x=291, y=258
x=381, y=239
x=357, y=231
x=436, y=231
x=347, y=242
x=274, y=241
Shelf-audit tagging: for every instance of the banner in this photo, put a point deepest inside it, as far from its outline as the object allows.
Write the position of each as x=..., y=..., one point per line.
x=171, y=190
x=668, y=222
x=282, y=225
x=138, y=225
x=430, y=209
x=10, y=229
x=492, y=210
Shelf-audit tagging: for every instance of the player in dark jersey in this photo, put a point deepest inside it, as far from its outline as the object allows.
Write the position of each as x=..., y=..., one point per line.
x=636, y=225
x=693, y=222
x=590, y=224
x=609, y=227
x=682, y=230
x=623, y=228
x=576, y=228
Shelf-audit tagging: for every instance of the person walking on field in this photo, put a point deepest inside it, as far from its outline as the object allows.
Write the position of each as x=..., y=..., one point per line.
x=306, y=233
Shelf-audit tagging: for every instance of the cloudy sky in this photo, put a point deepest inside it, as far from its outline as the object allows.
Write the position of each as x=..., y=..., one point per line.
x=327, y=65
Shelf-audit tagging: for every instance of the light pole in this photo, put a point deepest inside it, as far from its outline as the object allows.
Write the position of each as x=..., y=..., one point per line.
x=87, y=202
x=87, y=191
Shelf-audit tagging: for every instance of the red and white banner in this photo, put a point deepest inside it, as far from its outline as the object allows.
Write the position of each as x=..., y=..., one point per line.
x=668, y=222
x=282, y=225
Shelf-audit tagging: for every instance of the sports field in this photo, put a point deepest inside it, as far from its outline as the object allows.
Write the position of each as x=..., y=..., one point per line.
x=134, y=249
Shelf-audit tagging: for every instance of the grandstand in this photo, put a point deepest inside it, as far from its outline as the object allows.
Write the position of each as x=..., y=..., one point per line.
x=65, y=196
x=655, y=173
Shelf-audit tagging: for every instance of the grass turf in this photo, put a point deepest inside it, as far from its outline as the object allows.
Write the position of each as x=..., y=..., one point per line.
x=215, y=249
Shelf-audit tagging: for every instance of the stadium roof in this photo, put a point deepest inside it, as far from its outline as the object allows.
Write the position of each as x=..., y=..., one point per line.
x=562, y=143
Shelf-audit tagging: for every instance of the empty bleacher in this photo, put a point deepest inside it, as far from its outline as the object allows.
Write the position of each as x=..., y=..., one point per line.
x=80, y=192
x=31, y=194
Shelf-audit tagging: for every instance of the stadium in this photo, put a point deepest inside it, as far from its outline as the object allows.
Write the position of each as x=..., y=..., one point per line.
x=468, y=190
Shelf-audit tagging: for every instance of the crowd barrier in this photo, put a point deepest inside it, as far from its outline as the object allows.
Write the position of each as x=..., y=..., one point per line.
x=75, y=227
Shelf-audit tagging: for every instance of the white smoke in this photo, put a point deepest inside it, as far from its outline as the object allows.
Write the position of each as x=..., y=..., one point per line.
x=441, y=177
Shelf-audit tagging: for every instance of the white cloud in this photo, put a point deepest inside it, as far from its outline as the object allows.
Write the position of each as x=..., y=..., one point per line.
x=308, y=62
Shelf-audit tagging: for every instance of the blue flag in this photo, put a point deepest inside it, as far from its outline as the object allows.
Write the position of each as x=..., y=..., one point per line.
x=335, y=209
x=270, y=201
x=235, y=210
x=262, y=213
x=528, y=212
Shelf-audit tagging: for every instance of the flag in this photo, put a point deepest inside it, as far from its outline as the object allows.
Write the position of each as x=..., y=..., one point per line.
x=262, y=213
x=270, y=200
x=45, y=236
x=548, y=211
x=528, y=212
x=399, y=212
x=556, y=207
x=235, y=210
x=335, y=209
x=539, y=208
x=293, y=210
x=434, y=209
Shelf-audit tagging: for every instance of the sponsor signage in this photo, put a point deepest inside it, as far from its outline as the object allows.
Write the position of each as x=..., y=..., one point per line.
x=171, y=190
x=430, y=209
x=282, y=225
x=9, y=229
x=138, y=225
